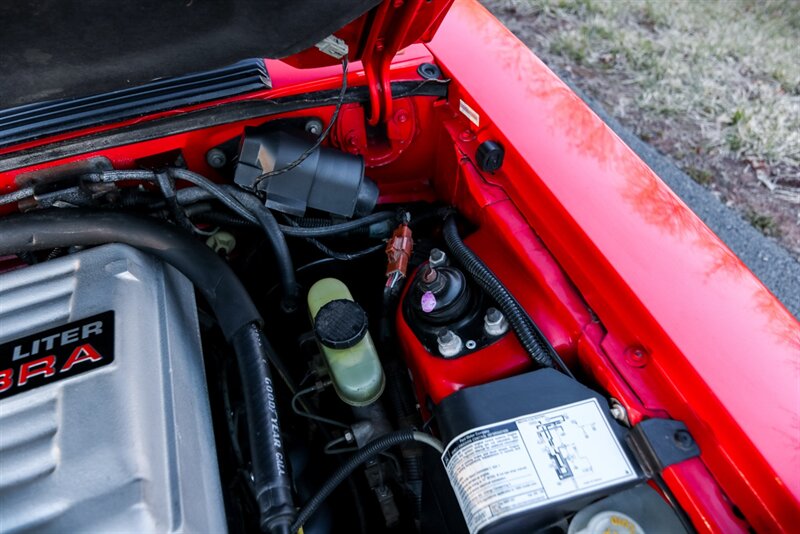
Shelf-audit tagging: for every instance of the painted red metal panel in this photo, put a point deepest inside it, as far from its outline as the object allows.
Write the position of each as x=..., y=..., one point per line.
x=719, y=351
x=516, y=255
x=685, y=329
x=435, y=377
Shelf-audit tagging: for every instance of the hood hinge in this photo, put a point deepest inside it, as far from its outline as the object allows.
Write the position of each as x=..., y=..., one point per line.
x=392, y=23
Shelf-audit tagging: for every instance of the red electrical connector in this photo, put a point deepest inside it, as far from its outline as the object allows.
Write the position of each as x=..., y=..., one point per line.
x=398, y=252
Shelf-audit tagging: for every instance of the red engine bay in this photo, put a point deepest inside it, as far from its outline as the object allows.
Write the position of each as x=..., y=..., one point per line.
x=639, y=299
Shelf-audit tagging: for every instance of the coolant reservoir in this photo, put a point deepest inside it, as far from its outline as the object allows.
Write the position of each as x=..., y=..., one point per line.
x=341, y=328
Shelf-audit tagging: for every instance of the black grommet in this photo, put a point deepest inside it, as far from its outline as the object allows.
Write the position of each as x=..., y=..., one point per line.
x=429, y=71
x=490, y=156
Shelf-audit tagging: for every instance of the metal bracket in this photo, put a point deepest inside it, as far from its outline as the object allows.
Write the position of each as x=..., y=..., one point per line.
x=660, y=443
x=394, y=25
x=350, y=133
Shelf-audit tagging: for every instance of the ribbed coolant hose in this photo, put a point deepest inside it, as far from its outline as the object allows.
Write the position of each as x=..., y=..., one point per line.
x=237, y=316
x=529, y=335
x=365, y=454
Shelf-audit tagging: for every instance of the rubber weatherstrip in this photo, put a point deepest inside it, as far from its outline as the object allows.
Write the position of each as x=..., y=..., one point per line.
x=203, y=118
x=36, y=121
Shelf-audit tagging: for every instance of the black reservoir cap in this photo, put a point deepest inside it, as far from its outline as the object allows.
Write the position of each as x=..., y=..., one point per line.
x=340, y=324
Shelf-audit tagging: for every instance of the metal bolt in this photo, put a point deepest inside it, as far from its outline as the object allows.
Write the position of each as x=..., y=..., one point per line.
x=449, y=343
x=401, y=116
x=437, y=258
x=494, y=322
x=618, y=412
x=683, y=440
x=467, y=135
x=636, y=356
x=314, y=126
x=216, y=158
x=470, y=344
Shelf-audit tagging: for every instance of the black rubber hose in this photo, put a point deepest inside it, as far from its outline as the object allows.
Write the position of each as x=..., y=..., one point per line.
x=529, y=335
x=401, y=399
x=283, y=373
x=16, y=196
x=365, y=454
x=167, y=186
x=318, y=230
x=283, y=258
x=276, y=234
x=304, y=227
x=134, y=198
x=199, y=213
x=49, y=229
x=250, y=207
x=216, y=190
x=237, y=315
x=273, y=487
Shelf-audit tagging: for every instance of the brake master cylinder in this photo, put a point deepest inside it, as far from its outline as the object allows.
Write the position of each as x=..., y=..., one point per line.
x=340, y=325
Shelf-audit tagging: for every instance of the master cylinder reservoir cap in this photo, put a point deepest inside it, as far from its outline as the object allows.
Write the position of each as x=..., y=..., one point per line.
x=340, y=325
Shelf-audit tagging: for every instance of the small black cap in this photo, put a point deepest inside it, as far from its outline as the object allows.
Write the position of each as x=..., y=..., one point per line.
x=429, y=71
x=490, y=156
x=340, y=324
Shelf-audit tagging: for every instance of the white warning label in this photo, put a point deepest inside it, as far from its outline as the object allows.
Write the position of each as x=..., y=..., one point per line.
x=469, y=113
x=534, y=460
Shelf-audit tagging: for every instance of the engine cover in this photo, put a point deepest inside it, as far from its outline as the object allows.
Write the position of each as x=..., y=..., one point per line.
x=104, y=416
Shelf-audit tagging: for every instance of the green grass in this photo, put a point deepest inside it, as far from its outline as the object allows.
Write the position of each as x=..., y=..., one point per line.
x=700, y=176
x=715, y=84
x=729, y=66
x=763, y=223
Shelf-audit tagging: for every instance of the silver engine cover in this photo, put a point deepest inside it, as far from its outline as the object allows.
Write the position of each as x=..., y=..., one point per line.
x=123, y=447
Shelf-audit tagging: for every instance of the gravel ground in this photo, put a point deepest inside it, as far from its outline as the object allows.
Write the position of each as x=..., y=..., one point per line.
x=736, y=204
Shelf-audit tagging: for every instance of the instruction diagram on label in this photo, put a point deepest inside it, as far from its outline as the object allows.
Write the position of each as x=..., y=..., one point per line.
x=534, y=460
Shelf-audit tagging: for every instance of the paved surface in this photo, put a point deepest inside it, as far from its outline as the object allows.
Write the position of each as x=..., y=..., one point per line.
x=770, y=262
